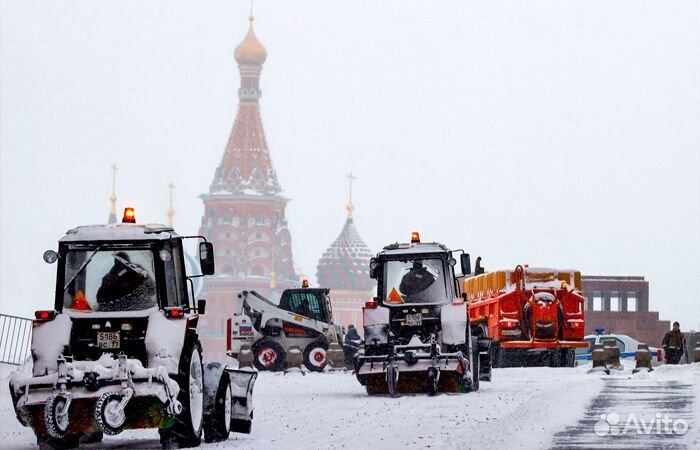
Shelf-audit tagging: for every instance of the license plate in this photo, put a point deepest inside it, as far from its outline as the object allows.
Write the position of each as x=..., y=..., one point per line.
x=414, y=320
x=108, y=339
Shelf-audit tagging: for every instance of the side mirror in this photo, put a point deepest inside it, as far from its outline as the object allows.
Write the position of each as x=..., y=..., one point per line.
x=201, y=306
x=466, y=263
x=373, y=268
x=206, y=258
x=50, y=256
x=478, y=270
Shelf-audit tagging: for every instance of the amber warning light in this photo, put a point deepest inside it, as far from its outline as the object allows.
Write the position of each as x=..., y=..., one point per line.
x=304, y=283
x=129, y=216
x=415, y=238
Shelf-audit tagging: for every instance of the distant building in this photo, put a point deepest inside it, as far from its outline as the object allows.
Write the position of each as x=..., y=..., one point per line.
x=344, y=268
x=620, y=304
x=244, y=211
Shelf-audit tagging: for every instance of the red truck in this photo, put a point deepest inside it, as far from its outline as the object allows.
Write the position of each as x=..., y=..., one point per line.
x=533, y=316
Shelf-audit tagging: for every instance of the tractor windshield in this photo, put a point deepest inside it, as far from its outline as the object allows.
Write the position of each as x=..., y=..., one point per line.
x=109, y=280
x=414, y=281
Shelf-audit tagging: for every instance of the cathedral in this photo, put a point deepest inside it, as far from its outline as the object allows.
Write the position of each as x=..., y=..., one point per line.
x=244, y=211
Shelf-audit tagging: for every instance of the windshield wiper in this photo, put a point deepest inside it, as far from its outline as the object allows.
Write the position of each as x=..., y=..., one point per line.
x=82, y=268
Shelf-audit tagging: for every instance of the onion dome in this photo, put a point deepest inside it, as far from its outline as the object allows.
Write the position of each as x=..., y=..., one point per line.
x=250, y=50
x=345, y=264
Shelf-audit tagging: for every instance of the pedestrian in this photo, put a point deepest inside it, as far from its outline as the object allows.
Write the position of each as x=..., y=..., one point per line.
x=674, y=344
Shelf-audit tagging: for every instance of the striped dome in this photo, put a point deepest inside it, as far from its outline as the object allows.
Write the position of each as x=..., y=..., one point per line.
x=345, y=264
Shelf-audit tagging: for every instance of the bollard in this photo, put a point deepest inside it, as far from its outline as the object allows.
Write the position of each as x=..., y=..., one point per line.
x=335, y=356
x=643, y=358
x=612, y=353
x=599, y=359
x=245, y=357
x=294, y=360
x=696, y=353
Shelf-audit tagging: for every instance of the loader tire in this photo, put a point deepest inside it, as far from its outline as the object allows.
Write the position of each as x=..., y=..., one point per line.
x=315, y=355
x=269, y=355
x=186, y=431
x=217, y=419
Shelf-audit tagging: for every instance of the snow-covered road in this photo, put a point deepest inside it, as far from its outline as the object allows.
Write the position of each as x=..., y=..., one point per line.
x=521, y=408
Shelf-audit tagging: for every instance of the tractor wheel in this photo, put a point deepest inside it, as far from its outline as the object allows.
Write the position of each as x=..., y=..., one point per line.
x=217, y=419
x=55, y=416
x=108, y=419
x=432, y=381
x=315, y=355
x=269, y=355
x=392, y=376
x=187, y=429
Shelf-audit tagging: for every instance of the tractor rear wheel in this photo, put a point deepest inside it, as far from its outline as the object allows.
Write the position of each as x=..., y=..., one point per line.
x=432, y=381
x=392, y=376
x=187, y=429
x=474, y=363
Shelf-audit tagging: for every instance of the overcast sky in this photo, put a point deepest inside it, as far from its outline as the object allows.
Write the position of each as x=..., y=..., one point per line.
x=554, y=133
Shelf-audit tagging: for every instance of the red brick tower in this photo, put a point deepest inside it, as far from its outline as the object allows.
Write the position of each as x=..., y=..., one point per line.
x=244, y=213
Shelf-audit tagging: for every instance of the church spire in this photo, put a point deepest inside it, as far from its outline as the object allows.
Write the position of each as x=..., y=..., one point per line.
x=113, y=198
x=171, y=210
x=350, y=207
x=246, y=166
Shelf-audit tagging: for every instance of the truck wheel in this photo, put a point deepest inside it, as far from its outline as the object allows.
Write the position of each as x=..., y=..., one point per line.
x=269, y=355
x=315, y=355
x=187, y=429
x=108, y=419
x=55, y=416
x=217, y=419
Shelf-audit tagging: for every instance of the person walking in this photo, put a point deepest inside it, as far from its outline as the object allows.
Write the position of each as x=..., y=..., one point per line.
x=674, y=344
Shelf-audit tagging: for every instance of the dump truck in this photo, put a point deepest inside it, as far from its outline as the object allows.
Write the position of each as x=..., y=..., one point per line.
x=302, y=318
x=417, y=333
x=532, y=316
x=120, y=349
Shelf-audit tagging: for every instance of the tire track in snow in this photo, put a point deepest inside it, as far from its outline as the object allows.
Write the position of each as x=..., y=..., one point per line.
x=647, y=400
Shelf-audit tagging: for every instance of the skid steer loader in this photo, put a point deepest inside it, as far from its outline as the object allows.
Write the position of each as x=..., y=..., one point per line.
x=417, y=333
x=302, y=318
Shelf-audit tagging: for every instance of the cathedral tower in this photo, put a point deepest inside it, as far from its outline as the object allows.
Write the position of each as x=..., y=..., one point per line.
x=244, y=211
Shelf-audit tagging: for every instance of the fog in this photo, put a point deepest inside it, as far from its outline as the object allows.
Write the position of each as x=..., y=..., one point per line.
x=554, y=133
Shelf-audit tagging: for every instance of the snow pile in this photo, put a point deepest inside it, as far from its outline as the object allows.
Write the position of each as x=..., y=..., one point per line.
x=48, y=342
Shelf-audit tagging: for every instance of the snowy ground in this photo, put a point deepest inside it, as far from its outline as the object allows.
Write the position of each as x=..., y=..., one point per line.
x=521, y=408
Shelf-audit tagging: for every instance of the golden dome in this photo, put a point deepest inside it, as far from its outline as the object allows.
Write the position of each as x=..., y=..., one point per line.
x=250, y=50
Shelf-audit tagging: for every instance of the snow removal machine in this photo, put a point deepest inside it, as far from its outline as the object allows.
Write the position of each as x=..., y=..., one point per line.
x=417, y=333
x=303, y=318
x=533, y=316
x=120, y=348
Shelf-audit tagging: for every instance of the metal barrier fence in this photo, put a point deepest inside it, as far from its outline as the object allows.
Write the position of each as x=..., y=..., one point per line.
x=15, y=339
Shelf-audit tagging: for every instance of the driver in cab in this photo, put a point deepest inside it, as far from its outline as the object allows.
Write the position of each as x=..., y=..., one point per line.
x=125, y=286
x=416, y=280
